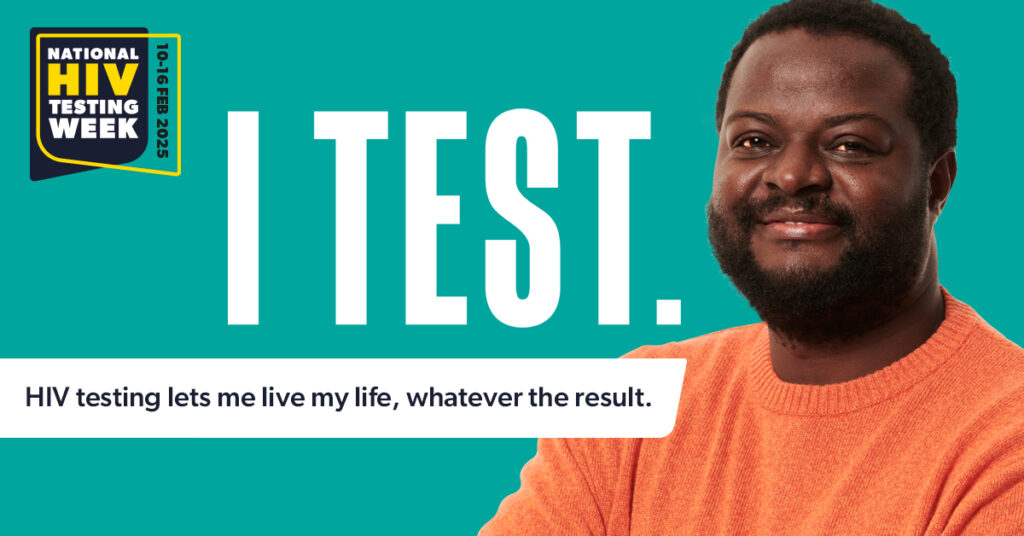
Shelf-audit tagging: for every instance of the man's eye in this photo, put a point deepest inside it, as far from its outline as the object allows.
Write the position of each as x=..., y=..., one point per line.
x=851, y=147
x=754, y=142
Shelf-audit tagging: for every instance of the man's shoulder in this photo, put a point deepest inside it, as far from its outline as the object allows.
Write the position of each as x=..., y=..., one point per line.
x=984, y=400
x=988, y=357
x=990, y=367
x=994, y=341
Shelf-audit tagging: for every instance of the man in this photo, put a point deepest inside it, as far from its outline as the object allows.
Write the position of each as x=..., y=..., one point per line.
x=869, y=401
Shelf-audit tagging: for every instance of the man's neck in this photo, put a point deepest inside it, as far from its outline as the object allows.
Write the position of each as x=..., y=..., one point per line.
x=834, y=363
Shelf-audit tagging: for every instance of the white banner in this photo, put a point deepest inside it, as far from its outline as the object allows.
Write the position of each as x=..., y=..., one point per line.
x=456, y=398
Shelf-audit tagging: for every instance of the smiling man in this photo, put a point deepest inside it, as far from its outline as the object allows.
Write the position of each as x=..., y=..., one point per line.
x=870, y=401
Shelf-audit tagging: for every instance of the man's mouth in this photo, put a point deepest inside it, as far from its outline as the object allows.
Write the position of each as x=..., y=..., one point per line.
x=783, y=224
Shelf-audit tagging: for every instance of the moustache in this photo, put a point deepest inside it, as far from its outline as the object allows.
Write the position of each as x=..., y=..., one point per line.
x=752, y=213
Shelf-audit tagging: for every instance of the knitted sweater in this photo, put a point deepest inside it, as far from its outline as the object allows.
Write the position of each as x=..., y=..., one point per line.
x=932, y=444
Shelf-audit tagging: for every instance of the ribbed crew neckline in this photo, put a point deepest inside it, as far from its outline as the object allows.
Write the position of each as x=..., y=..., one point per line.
x=845, y=397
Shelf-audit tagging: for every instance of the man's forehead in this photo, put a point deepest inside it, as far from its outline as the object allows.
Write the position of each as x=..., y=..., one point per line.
x=799, y=68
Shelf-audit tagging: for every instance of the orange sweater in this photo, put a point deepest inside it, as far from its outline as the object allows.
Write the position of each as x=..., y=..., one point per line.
x=932, y=444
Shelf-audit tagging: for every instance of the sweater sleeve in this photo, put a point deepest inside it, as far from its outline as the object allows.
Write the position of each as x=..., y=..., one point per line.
x=997, y=509
x=572, y=487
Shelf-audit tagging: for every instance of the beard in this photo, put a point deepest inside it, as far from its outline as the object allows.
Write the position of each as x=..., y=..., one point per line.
x=815, y=306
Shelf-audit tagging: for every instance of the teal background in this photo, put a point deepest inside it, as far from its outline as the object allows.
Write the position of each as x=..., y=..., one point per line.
x=116, y=264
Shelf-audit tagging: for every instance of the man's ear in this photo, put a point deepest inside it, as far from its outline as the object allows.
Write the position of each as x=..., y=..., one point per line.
x=940, y=180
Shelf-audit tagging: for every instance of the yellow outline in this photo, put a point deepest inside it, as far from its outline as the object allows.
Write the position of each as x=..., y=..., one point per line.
x=39, y=139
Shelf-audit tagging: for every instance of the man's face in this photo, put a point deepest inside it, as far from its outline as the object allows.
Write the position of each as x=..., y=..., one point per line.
x=819, y=211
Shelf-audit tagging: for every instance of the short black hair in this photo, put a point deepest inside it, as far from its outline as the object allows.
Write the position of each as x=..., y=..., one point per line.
x=932, y=102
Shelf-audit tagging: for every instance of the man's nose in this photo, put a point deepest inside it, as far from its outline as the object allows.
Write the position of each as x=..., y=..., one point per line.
x=798, y=169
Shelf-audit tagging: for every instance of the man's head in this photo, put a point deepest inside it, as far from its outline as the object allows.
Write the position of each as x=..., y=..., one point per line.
x=836, y=126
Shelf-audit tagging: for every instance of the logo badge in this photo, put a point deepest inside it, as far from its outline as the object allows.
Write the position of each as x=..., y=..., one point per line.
x=104, y=98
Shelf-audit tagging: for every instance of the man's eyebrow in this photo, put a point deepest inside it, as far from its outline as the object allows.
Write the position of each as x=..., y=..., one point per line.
x=837, y=120
x=760, y=116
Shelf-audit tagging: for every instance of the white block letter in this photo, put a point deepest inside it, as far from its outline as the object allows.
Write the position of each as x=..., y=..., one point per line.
x=243, y=218
x=613, y=130
x=424, y=211
x=350, y=130
x=540, y=231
